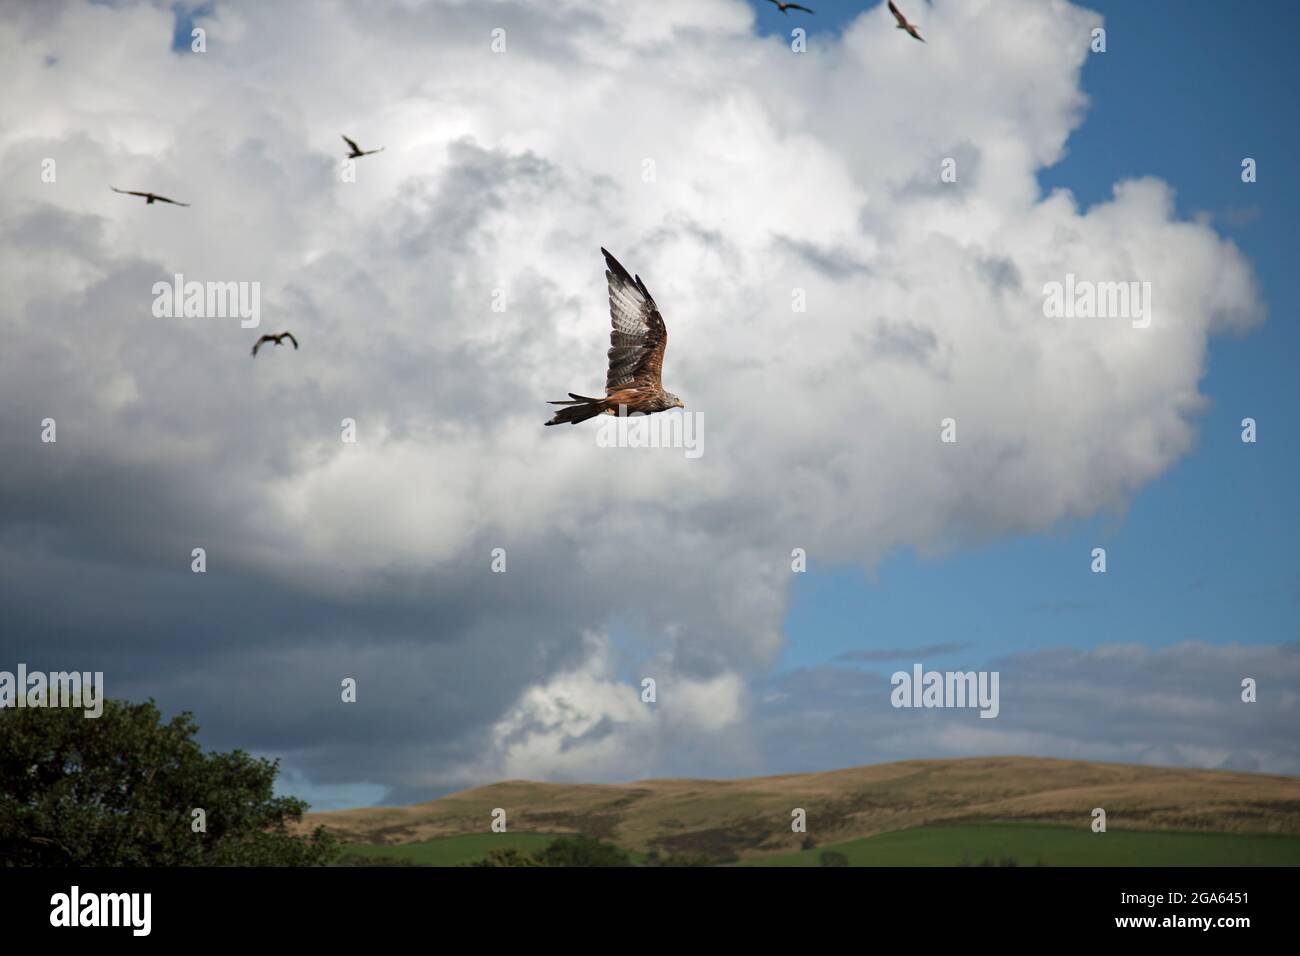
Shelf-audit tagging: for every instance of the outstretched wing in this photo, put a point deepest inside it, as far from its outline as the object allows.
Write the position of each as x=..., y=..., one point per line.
x=898, y=15
x=795, y=6
x=172, y=201
x=352, y=144
x=258, y=344
x=639, y=337
x=289, y=336
x=127, y=192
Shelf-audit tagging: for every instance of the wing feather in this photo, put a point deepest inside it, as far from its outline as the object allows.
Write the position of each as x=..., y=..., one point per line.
x=638, y=336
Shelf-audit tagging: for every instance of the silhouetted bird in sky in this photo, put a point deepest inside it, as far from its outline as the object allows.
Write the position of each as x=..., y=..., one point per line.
x=149, y=198
x=277, y=339
x=358, y=151
x=636, y=355
x=783, y=6
x=902, y=22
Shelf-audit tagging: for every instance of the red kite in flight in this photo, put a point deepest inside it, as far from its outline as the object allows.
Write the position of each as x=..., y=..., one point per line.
x=277, y=339
x=783, y=6
x=149, y=198
x=636, y=355
x=358, y=151
x=902, y=22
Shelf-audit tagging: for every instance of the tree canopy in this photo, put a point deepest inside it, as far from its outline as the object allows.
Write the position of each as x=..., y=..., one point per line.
x=563, y=851
x=122, y=790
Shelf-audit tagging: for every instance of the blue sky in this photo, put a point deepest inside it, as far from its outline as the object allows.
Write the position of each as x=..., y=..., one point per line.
x=186, y=15
x=1208, y=551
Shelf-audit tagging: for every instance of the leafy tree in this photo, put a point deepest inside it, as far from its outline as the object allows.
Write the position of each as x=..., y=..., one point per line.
x=509, y=856
x=583, y=851
x=120, y=790
x=564, y=851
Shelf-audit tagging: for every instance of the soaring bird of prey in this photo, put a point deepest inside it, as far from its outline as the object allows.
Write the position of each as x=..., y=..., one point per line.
x=784, y=7
x=277, y=339
x=358, y=151
x=636, y=355
x=902, y=22
x=149, y=198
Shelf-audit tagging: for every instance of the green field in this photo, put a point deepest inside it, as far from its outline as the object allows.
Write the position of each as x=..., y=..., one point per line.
x=1026, y=844
x=1032, y=844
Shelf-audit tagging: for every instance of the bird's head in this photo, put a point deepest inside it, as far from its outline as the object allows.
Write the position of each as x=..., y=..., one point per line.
x=677, y=402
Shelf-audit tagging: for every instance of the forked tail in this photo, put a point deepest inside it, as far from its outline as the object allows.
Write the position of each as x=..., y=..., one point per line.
x=579, y=410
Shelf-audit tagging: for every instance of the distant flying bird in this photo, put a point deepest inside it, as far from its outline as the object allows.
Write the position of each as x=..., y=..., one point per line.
x=277, y=339
x=636, y=355
x=358, y=151
x=149, y=198
x=783, y=6
x=902, y=22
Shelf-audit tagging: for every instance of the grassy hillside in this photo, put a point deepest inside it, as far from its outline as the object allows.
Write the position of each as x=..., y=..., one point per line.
x=751, y=817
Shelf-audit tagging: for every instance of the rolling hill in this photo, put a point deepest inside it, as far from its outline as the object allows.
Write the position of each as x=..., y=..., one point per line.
x=750, y=818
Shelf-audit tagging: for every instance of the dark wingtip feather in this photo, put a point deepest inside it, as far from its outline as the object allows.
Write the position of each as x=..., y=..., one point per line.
x=615, y=266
